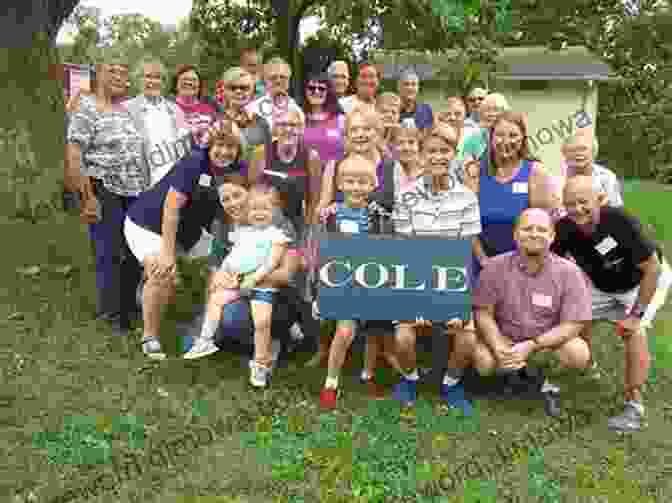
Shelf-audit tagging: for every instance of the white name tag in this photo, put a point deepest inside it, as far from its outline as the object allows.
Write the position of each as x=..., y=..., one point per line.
x=520, y=188
x=349, y=227
x=204, y=180
x=541, y=300
x=333, y=133
x=606, y=245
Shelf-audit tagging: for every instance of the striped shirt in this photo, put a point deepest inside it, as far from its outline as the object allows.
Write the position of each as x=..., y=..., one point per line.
x=112, y=147
x=451, y=214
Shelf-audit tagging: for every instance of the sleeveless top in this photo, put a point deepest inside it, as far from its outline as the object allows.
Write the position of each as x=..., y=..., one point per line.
x=326, y=137
x=500, y=205
x=291, y=180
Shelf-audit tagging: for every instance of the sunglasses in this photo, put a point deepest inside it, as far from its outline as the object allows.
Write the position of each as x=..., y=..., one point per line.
x=317, y=89
x=242, y=89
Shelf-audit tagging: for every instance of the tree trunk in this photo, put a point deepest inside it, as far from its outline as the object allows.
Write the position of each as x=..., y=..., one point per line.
x=32, y=129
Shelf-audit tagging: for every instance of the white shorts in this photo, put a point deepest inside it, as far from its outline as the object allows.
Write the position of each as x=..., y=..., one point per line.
x=615, y=306
x=144, y=243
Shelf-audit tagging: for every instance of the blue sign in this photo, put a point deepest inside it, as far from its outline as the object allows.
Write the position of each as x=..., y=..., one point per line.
x=393, y=278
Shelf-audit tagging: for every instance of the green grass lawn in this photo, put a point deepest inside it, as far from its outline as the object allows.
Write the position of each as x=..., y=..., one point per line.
x=75, y=400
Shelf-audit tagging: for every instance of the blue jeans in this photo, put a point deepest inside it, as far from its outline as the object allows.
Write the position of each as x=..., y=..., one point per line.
x=118, y=272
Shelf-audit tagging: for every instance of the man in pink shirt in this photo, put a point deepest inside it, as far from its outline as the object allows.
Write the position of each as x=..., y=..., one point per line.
x=526, y=301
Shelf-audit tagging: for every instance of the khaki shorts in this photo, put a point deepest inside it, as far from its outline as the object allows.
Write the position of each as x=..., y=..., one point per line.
x=615, y=306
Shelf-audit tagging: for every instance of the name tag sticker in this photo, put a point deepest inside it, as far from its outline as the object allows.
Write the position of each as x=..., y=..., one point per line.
x=333, y=133
x=606, y=245
x=349, y=226
x=520, y=188
x=541, y=300
x=205, y=180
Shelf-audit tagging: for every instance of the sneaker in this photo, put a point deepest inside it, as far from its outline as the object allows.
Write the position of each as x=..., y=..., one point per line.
x=454, y=397
x=329, y=398
x=152, y=348
x=631, y=420
x=552, y=403
x=259, y=375
x=202, y=347
x=405, y=391
x=364, y=377
x=295, y=332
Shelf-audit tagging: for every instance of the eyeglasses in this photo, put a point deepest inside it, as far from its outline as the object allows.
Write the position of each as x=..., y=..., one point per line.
x=315, y=89
x=242, y=89
x=288, y=125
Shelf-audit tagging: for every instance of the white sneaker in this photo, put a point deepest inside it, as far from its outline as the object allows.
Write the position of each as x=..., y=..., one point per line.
x=152, y=348
x=295, y=332
x=202, y=347
x=259, y=375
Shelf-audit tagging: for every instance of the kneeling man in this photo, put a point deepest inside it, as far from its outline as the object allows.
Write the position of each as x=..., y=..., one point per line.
x=628, y=283
x=526, y=301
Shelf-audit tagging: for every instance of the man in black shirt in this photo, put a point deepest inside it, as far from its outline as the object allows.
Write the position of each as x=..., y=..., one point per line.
x=625, y=274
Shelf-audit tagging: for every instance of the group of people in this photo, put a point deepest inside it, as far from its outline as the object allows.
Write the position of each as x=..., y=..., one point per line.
x=247, y=178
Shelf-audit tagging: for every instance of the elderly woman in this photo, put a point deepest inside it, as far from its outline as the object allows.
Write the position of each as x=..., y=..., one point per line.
x=234, y=91
x=170, y=220
x=190, y=94
x=325, y=120
x=476, y=145
x=509, y=182
x=104, y=150
x=157, y=118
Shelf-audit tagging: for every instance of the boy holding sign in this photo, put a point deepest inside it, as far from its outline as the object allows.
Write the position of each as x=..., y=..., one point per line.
x=356, y=179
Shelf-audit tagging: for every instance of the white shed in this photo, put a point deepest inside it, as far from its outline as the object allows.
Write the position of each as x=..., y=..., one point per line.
x=553, y=87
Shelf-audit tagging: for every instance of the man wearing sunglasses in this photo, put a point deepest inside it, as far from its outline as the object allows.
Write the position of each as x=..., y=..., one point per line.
x=276, y=74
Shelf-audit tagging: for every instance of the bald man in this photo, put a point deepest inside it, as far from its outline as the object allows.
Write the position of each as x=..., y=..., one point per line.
x=627, y=280
x=526, y=301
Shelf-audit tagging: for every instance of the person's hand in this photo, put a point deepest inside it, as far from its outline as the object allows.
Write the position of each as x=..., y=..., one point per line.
x=224, y=279
x=72, y=105
x=90, y=210
x=521, y=352
x=505, y=356
x=421, y=322
x=628, y=327
x=455, y=323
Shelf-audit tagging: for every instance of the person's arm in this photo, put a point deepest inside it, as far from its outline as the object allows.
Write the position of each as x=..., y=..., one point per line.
x=477, y=248
x=557, y=336
x=314, y=168
x=651, y=269
x=488, y=329
x=278, y=251
x=257, y=164
x=175, y=201
x=328, y=186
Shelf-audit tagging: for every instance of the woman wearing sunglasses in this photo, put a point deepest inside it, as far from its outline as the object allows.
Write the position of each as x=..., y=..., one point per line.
x=234, y=92
x=325, y=120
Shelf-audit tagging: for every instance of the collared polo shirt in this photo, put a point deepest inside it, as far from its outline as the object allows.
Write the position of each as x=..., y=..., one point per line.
x=528, y=305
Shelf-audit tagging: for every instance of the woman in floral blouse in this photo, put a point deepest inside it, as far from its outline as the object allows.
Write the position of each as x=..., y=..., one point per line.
x=105, y=162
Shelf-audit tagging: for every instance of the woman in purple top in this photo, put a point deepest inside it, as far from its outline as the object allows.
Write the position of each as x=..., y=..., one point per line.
x=507, y=185
x=325, y=120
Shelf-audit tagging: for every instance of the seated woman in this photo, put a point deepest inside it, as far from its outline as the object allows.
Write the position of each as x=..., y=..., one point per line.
x=171, y=217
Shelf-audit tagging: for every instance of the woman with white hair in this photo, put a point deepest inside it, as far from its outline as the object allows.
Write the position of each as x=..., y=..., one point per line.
x=157, y=118
x=476, y=145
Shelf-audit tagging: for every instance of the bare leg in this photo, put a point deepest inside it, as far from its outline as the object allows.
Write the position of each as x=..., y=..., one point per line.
x=339, y=349
x=156, y=295
x=261, y=314
x=637, y=362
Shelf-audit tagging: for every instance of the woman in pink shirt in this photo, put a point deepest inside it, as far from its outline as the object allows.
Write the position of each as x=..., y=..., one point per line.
x=190, y=95
x=325, y=121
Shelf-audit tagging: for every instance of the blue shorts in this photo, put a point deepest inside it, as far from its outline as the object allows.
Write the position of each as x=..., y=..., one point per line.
x=263, y=295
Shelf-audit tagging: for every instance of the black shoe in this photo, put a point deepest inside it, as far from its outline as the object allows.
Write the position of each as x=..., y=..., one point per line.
x=552, y=404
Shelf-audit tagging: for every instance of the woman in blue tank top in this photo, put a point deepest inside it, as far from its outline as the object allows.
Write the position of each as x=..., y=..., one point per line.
x=509, y=183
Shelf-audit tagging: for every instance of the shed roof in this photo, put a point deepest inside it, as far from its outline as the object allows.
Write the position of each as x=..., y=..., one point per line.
x=517, y=63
